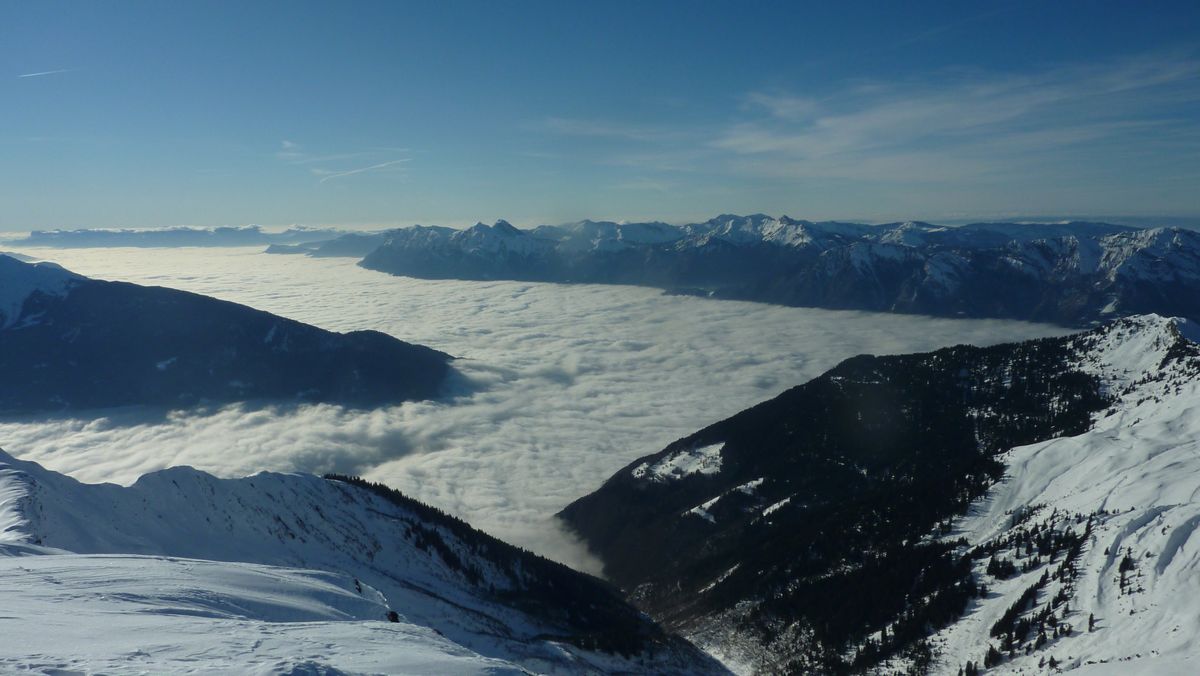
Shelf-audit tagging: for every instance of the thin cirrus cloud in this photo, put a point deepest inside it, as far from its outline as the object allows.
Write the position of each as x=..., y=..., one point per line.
x=327, y=167
x=969, y=124
x=948, y=127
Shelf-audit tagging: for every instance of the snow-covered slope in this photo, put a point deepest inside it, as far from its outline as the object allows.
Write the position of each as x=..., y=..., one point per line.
x=783, y=231
x=1131, y=487
x=140, y=614
x=500, y=238
x=994, y=497
x=498, y=251
x=584, y=236
x=19, y=280
x=479, y=596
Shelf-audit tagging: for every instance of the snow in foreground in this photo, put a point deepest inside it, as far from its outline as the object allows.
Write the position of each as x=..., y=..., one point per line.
x=290, y=573
x=1136, y=474
x=121, y=614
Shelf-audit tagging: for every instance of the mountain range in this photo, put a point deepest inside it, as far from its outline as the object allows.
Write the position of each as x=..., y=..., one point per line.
x=1076, y=273
x=1016, y=506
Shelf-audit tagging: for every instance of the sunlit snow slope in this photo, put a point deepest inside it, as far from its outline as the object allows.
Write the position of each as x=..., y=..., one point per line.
x=290, y=573
x=137, y=614
x=1131, y=487
x=1031, y=505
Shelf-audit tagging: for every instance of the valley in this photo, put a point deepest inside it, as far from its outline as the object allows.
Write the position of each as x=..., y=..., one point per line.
x=562, y=384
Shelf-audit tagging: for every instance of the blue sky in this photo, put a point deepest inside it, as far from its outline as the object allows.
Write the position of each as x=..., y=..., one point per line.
x=153, y=113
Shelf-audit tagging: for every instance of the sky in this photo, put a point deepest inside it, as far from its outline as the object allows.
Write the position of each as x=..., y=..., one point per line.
x=146, y=114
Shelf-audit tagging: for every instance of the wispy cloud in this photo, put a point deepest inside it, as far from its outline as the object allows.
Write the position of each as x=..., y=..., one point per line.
x=339, y=157
x=327, y=175
x=46, y=72
x=950, y=126
x=949, y=120
x=334, y=165
x=289, y=151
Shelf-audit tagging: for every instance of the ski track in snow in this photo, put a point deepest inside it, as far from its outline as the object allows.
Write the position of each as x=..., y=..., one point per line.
x=560, y=385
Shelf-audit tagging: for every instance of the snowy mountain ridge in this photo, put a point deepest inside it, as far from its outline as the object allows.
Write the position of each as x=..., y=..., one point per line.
x=479, y=596
x=1071, y=273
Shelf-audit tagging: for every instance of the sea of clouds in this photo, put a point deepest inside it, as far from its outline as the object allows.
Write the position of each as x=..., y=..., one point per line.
x=557, y=386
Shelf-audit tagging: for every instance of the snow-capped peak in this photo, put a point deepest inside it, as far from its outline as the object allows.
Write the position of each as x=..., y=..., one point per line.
x=18, y=281
x=501, y=238
x=503, y=226
x=1132, y=351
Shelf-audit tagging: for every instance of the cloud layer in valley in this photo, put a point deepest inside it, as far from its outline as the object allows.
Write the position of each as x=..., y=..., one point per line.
x=558, y=386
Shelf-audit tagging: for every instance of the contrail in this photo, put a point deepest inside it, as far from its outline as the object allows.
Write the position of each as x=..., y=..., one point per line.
x=47, y=72
x=351, y=172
